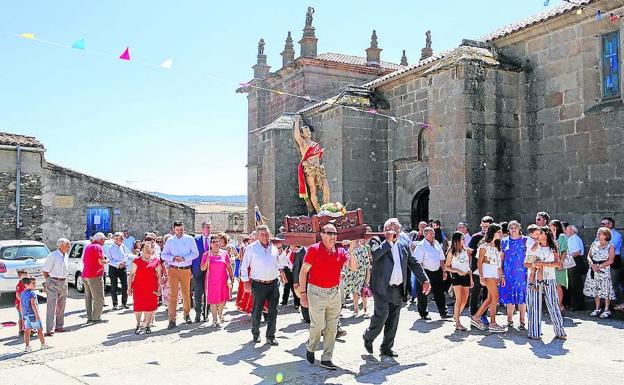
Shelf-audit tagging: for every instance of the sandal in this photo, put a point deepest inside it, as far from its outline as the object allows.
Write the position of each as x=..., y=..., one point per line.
x=605, y=314
x=460, y=328
x=510, y=323
x=619, y=307
x=148, y=330
x=521, y=327
x=137, y=331
x=595, y=313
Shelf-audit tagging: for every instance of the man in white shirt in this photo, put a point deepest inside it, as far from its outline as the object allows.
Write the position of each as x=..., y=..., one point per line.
x=263, y=259
x=430, y=255
x=575, y=297
x=119, y=256
x=55, y=274
x=179, y=251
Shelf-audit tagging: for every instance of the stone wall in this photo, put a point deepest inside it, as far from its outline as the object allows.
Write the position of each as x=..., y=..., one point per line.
x=30, y=198
x=434, y=157
x=67, y=195
x=570, y=161
x=493, y=167
x=228, y=222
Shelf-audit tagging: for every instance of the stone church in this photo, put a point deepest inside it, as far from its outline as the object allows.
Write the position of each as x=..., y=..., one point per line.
x=526, y=118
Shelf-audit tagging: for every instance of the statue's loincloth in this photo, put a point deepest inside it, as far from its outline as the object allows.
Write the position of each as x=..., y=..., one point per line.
x=316, y=171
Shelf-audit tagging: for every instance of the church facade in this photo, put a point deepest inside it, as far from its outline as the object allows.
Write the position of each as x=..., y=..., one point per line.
x=527, y=118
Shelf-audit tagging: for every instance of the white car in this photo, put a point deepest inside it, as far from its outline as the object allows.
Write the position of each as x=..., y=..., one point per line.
x=75, y=264
x=21, y=255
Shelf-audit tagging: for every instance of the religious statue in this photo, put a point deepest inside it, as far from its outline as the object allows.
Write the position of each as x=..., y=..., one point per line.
x=428, y=39
x=309, y=17
x=261, y=47
x=311, y=173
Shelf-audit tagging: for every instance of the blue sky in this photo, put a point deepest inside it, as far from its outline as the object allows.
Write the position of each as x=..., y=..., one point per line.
x=177, y=131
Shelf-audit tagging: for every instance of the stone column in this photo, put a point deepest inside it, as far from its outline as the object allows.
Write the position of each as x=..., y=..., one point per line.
x=373, y=53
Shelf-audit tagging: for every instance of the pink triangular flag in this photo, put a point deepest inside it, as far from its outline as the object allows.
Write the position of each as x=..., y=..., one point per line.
x=125, y=55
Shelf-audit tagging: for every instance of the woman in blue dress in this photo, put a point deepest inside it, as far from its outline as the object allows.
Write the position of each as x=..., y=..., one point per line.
x=514, y=292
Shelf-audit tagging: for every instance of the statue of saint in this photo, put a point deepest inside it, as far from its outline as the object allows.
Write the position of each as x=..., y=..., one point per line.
x=428, y=39
x=261, y=47
x=311, y=173
x=309, y=17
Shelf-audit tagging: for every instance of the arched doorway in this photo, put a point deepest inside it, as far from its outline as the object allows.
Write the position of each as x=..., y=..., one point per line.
x=420, y=207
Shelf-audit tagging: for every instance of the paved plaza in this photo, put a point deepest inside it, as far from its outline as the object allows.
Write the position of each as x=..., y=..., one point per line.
x=429, y=352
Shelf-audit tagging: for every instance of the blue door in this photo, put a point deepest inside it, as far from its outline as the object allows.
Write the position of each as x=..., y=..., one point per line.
x=98, y=220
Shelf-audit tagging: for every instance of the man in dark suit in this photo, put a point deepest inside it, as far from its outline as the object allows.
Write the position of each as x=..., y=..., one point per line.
x=388, y=282
x=300, y=253
x=199, y=276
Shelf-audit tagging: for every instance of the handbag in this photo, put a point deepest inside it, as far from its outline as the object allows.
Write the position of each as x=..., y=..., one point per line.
x=568, y=262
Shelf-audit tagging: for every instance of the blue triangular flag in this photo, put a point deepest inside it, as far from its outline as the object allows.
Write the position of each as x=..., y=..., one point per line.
x=598, y=15
x=546, y=3
x=80, y=44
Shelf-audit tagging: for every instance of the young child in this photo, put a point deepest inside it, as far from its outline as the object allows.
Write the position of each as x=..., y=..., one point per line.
x=30, y=313
x=532, y=257
x=19, y=289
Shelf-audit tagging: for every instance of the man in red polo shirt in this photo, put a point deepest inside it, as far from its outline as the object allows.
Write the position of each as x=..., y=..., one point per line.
x=94, y=262
x=320, y=273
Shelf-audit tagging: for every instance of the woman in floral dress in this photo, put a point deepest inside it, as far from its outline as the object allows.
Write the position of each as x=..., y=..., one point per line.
x=514, y=292
x=598, y=283
x=356, y=280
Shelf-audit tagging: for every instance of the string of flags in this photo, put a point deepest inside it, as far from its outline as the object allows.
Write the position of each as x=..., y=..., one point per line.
x=81, y=45
x=614, y=17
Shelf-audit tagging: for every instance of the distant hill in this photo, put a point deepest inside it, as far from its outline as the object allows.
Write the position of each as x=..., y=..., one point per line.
x=203, y=198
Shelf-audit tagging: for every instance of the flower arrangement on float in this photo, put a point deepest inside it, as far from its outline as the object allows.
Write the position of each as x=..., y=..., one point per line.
x=332, y=209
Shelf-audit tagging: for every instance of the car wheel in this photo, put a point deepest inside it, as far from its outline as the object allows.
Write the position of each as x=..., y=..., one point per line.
x=79, y=283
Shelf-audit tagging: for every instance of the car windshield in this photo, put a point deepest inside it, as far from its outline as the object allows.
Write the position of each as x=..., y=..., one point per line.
x=16, y=253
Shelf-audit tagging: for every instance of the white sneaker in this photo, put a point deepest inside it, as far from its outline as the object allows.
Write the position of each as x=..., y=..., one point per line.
x=28, y=349
x=595, y=313
x=45, y=346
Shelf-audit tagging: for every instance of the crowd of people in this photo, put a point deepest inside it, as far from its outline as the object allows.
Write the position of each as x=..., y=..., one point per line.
x=496, y=266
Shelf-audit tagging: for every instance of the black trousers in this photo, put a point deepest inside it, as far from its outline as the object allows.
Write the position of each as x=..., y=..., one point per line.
x=199, y=294
x=116, y=274
x=437, y=288
x=576, y=299
x=477, y=294
x=261, y=292
x=288, y=288
x=386, y=316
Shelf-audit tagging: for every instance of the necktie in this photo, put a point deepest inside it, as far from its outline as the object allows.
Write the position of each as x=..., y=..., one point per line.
x=205, y=243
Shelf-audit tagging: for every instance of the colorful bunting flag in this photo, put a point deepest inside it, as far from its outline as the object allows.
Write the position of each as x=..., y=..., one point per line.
x=372, y=111
x=546, y=3
x=80, y=44
x=125, y=55
x=167, y=64
x=27, y=35
x=244, y=84
x=598, y=15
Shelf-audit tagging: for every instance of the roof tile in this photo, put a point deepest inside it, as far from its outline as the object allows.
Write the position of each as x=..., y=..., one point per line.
x=9, y=139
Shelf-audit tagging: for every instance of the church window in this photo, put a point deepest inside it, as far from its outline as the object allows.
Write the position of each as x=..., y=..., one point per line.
x=611, y=65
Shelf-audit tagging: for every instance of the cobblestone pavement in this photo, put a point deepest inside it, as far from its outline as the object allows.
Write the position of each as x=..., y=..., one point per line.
x=429, y=352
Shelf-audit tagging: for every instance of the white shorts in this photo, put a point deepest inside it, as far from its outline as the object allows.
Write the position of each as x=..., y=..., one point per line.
x=490, y=271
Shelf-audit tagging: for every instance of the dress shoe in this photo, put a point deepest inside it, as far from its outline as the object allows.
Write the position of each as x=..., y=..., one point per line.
x=48, y=334
x=328, y=365
x=256, y=339
x=114, y=307
x=272, y=342
x=446, y=316
x=340, y=332
x=125, y=306
x=425, y=318
x=187, y=319
x=197, y=320
x=98, y=321
x=172, y=325
x=368, y=345
x=310, y=356
x=389, y=353
x=59, y=330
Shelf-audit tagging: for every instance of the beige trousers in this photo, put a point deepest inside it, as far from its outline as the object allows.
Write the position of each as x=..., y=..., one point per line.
x=324, y=309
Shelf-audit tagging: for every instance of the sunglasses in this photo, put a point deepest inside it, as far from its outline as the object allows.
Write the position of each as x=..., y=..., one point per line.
x=331, y=233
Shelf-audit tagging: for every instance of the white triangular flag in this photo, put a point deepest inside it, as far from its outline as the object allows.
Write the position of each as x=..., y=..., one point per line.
x=167, y=64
